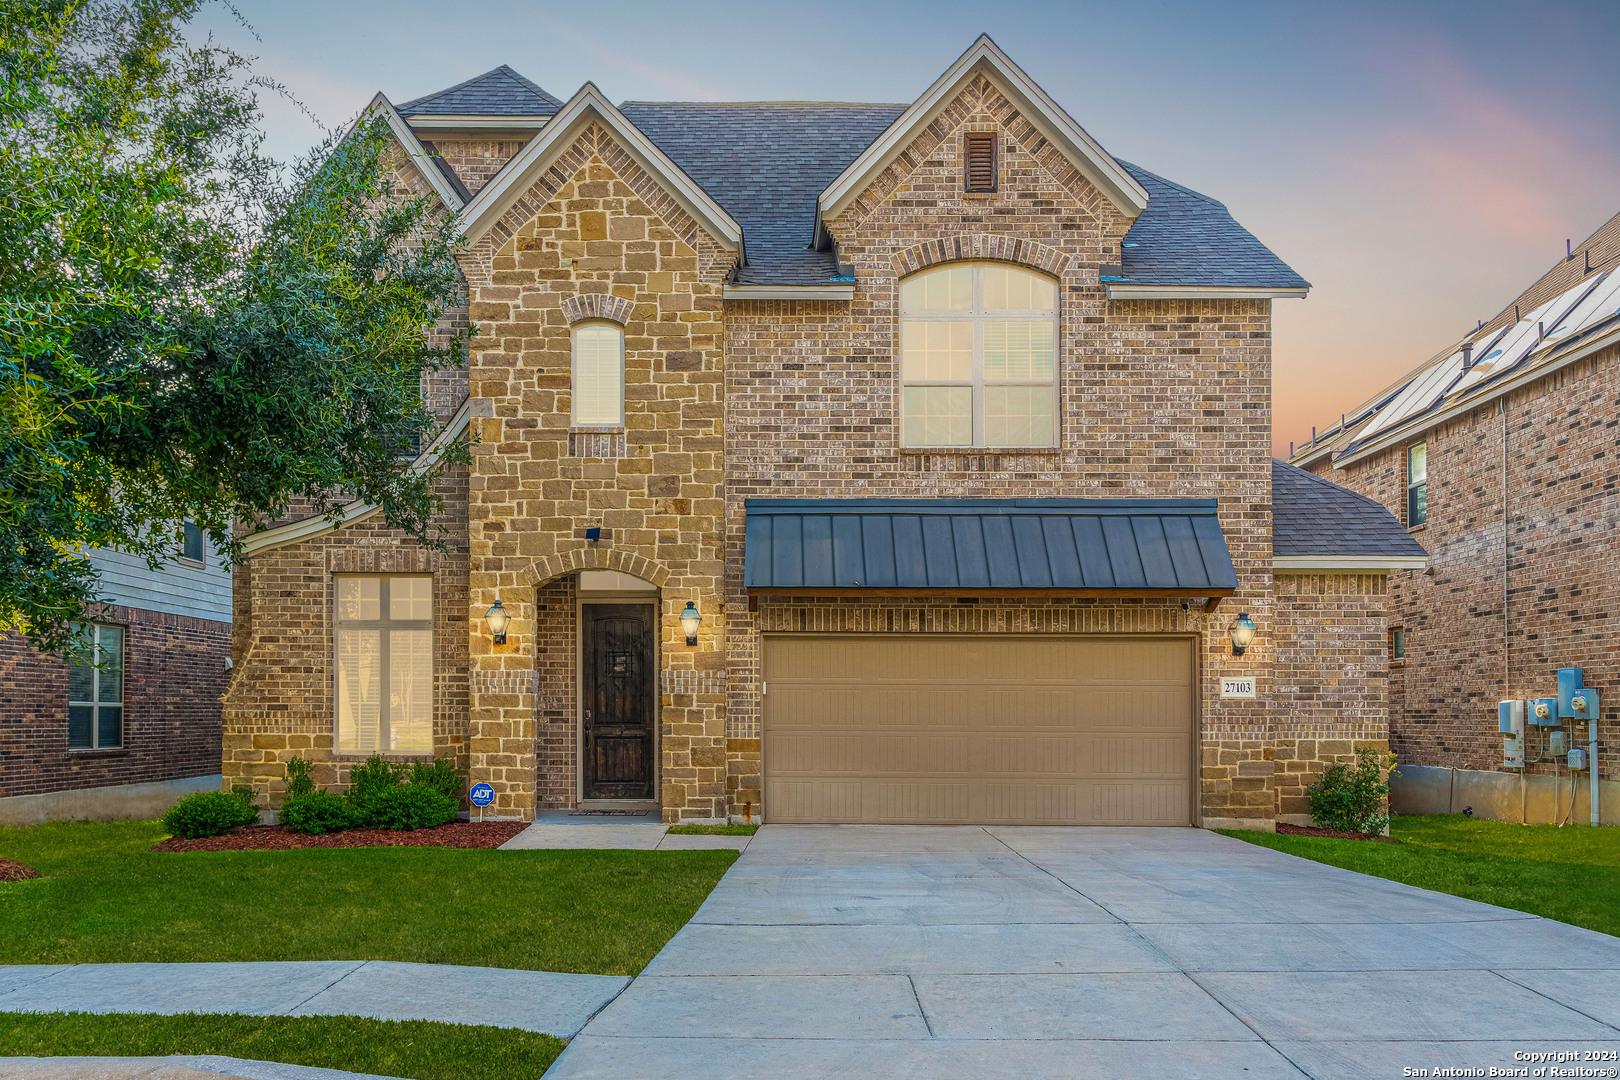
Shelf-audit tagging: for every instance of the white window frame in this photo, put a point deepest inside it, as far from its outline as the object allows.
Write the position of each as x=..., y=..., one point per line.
x=96, y=704
x=978, y=315
x=574, y=383
x=1413, y=483
x=383, y=624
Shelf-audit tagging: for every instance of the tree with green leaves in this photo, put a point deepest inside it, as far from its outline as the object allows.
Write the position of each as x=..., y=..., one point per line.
x=187, y=329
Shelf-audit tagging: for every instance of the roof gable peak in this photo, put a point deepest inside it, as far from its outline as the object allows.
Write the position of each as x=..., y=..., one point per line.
x=500, y=91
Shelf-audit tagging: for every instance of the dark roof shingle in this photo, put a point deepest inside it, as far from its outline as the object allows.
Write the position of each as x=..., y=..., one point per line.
x=500, y=92
x=1313, y=516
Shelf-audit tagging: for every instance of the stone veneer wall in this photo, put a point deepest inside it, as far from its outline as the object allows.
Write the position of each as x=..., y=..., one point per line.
x=597, y=223
x=1160, y=398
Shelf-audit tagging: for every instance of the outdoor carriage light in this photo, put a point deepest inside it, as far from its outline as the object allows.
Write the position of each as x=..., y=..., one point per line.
x=496, y=619
x=1242, y=633
x=691, y=619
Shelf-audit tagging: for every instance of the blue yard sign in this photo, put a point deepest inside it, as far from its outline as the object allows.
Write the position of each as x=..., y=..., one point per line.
x=481, y=794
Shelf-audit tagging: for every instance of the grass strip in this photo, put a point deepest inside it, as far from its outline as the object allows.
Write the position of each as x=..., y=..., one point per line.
x=105, y=898
x=714, y=830
x=1570, y=874
x=416, y=1049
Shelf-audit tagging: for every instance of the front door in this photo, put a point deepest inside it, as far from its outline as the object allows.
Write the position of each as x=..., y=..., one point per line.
x=619, y=700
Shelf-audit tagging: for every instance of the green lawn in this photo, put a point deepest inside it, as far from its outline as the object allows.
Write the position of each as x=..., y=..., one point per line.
x=105, y=898
x=714, y=830
x=408, y=1048
x=1570, y=874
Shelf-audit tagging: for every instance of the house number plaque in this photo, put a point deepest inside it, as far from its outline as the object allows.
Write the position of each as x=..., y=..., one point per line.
x=1237, y=688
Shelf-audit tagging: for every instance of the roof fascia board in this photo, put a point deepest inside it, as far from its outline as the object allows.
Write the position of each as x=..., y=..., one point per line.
x=445, y=122
x=788, y=292
x=497, y=196
x=1086, y=153
x=1203, y=292
x=1465, y=405
x=415, y=151
x=356, y=512
x=1348, y=562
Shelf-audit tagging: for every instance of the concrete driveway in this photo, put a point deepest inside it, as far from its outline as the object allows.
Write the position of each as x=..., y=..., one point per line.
x=1073, y=952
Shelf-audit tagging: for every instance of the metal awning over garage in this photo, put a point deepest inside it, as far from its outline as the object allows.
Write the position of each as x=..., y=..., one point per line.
x=987, y=547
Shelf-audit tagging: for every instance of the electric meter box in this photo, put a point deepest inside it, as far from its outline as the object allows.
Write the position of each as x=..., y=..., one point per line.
x=1583, y=705
x=1569, y=684
x=1510, y=717
x=1543, y=712
x=1577, y=759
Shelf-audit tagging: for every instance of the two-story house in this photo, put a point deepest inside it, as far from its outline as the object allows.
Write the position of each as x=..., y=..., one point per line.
x=834, y=463
x=1499, y=454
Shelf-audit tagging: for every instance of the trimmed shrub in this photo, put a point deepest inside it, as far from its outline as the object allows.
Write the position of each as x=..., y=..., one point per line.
x=1351, y=798
x=315, y=813
x=243, y=792
x=298, y=781
x=441, y=776
x=208, y=813
x=369, y=781
x=413, y=806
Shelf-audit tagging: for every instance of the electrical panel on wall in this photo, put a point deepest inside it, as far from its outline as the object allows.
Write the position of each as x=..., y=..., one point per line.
x=1510, y=719
x=1544, y=712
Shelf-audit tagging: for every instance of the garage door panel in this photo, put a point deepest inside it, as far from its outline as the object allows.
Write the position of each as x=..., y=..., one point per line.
x=1003, y=729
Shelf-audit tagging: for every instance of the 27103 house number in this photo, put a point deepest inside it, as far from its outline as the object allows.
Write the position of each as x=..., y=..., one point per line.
x=1242, y=688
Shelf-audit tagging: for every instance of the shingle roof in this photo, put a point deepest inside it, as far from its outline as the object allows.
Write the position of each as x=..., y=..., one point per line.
x=1080, y=544
x=500, y=92
x=1312, y=516
x=766, y=163
x=1185, y=238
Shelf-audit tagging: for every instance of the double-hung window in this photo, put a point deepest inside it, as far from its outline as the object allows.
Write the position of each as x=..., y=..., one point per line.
x=1417, y=485
x=978, y=358
x=385, y=664
x=598, y=376
x=96, y=690
x=191, y=542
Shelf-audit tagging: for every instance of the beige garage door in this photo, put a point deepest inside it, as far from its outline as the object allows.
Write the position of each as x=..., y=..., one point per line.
x=936, y=729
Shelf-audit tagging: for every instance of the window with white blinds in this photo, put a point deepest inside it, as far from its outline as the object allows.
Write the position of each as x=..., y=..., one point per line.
x=384, y=664
x=598, y=376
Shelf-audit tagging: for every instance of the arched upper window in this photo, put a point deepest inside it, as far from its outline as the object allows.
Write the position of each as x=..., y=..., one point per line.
x=978, y=357
x=598, y=375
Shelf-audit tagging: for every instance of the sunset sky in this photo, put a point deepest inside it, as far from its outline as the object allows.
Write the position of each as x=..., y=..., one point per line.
x=1418, y=163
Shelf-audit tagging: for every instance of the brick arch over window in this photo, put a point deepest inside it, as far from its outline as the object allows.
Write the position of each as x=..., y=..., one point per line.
x=593, y=558
x=980, y=246
x=582, y=306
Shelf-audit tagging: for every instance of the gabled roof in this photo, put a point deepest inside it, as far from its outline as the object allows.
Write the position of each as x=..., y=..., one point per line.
x=766, y=162
x=985, y=57
x=585, y=107
x=1185, y=239
x=498, y=92
x=1316, y=524
x=445, y=184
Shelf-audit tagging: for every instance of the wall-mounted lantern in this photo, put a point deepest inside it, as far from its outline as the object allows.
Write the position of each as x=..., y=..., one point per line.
x=496, y=619
x=1242, y=633
x=691, y=619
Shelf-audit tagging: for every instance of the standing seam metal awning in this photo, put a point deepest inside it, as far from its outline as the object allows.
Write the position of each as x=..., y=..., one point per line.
x=1078, y=546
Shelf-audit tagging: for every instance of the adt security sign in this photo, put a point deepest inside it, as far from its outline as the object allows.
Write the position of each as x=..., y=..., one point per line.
x=481, y=794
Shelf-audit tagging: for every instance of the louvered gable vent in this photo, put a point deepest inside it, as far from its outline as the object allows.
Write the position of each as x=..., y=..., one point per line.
x=979, y=151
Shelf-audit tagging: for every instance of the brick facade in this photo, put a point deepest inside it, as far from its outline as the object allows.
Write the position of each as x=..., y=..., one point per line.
x=174, y=673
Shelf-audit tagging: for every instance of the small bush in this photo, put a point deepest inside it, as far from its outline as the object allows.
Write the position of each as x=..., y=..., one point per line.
x=1351, y=797
x=298, y=781
x=208, y=813
x=413, y=806
x=441, y=776
x=316, y=813
x=370, y=780
x=243, y=792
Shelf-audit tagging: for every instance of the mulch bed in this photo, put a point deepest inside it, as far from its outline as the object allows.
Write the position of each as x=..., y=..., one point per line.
x=460, y=834
x=12, y=870
x=1335, y=834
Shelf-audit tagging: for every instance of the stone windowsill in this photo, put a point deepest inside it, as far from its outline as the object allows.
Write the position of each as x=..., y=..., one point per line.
x=975, y=451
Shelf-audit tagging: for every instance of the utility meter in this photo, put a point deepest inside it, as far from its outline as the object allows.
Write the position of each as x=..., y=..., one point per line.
x=1510, y=719
x=1544, y=712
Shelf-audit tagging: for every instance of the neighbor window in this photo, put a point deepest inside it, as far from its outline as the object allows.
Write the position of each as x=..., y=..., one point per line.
x=191, y=545
x=1397, y=644
x=598, y=376
x=385, y=665
x=96, y=689
x=1417, y=485
x=978, y=358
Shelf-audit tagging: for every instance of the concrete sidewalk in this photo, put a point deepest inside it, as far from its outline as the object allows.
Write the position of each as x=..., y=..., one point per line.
x=557, y=830
x=1088, y=953
x=176, y=1067
x=549, y=1002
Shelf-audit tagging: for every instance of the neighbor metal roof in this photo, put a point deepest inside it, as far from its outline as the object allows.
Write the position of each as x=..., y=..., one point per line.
x=1313, y=516
x=498, y=92
x=855, y=545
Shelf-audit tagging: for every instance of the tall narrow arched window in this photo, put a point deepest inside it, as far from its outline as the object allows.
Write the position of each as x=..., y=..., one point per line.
x=598, y=375
x=978, y=357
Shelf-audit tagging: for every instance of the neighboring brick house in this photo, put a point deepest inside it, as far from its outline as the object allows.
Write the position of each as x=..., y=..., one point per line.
x=946, y=431
x=1500, y=455
x=125, y=736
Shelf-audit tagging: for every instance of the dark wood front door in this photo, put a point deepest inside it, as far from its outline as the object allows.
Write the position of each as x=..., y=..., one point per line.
x=619, y=701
